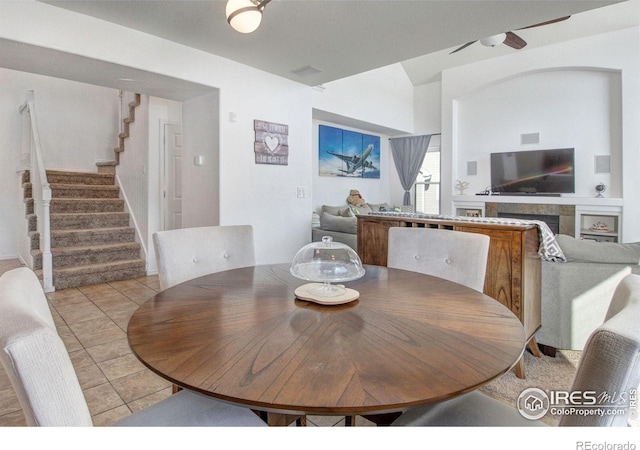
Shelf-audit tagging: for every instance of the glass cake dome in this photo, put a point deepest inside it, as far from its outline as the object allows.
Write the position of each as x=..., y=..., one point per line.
x=327, y=262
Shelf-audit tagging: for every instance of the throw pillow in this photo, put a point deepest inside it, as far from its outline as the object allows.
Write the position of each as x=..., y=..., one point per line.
x=329, y=222
x=357, y=210
x=603, y=252
x=380, y=207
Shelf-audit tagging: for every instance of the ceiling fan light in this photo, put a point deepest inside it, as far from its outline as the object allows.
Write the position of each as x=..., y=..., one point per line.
x=494, y=40
x=244, y=16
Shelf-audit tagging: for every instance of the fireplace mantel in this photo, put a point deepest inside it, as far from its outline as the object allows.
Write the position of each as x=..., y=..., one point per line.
x=574, y=212
x=539, y=199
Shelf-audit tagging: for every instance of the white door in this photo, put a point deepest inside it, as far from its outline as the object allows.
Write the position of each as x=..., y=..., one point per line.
x=172, y=176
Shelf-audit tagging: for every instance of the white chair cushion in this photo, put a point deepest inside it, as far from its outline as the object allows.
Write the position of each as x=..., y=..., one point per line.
x=190, y=409
x=469, y=410
x=190, y=253
x=453, y=255
x=35, y=357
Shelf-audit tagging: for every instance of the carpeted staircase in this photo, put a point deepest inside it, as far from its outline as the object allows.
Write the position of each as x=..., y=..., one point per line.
x=91, y=240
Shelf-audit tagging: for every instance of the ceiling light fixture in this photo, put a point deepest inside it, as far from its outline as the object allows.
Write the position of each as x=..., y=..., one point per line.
x=245, y=16
x=494, y=40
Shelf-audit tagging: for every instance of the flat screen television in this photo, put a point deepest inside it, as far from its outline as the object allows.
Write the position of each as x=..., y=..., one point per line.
x=533, y=172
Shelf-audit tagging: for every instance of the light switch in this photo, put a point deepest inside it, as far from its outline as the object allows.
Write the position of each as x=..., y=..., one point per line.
x=302, y=192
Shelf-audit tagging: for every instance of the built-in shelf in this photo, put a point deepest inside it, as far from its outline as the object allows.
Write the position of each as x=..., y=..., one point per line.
x=590, y=221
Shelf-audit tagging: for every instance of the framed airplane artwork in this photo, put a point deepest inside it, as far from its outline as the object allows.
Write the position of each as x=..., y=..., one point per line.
x=345, y=153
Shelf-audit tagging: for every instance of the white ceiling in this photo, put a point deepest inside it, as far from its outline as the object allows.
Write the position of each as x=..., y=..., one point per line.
x=346, y=37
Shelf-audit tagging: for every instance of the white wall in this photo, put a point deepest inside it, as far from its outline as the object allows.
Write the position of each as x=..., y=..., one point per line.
x=261, y=194
x=78, y=127
x=381, y=97
x=427, y=99
x=616, y=52
x=569, y=109
x=71, y=136
x=201, y=184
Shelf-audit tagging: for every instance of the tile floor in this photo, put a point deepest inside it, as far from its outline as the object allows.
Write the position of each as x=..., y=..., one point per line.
x=92, y=321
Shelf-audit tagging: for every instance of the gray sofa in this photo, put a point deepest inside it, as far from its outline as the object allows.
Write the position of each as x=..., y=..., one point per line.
x=577, y=293
x=341, y=223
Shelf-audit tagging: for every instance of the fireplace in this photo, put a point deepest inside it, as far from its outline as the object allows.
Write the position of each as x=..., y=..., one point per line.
x=553, y=222
x=560, y=218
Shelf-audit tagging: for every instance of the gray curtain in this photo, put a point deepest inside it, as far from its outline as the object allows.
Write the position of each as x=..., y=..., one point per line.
x=408, y=154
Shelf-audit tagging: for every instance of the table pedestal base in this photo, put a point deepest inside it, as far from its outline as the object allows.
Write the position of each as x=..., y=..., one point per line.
x=282, y=420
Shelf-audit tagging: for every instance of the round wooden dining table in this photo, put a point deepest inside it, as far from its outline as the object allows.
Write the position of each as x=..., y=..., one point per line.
x=243, y=337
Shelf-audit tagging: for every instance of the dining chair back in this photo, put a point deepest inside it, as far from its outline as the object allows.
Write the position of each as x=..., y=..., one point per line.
x=189, y=253
x=44, y=380
x=609, y=370
x=454, y=255
x=35, y=358
x=610, y=362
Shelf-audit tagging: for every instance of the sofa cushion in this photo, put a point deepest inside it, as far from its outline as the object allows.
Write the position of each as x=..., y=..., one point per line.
x=602, y=252
x=343, y=211
x=341, y=224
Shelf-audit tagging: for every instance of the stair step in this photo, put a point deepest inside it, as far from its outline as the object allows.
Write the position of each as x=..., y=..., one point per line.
x=28, y=206
x=98, y=273
x=27, y=190
x=96, y=236
x=84, y=191
x=82, y=256
x=32, y=222
x=76, y=221
x=93, y=178
x=61, y=205
x=34, y=240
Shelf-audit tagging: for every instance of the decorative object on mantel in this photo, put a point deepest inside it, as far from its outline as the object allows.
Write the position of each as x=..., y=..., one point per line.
x=600, y=226
x=272, y=143
x=324, y=263
x=461, y=186
x=600, y=188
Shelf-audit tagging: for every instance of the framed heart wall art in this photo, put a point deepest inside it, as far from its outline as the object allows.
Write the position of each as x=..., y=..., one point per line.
x=272, y=143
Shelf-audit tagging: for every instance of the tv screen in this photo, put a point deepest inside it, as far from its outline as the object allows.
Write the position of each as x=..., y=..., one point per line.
x=533, y=172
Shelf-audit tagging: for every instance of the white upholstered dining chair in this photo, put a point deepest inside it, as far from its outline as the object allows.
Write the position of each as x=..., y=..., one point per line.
x=609, y=364
x=40, y=369
x=189, y=253
x=453, y=255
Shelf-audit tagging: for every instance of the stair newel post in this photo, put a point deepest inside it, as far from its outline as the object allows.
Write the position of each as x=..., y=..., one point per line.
x=40, y=181
x=47, y=259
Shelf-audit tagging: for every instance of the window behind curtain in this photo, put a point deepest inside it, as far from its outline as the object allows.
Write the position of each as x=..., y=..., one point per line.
x=427, y=188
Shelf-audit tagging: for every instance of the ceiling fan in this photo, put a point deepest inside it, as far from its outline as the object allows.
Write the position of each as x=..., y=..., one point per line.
x=509, y=38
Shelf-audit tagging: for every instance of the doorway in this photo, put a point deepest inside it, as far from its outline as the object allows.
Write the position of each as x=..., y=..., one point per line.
x=172, y=176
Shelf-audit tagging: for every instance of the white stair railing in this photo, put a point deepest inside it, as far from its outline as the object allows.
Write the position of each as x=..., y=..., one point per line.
x=40, y=187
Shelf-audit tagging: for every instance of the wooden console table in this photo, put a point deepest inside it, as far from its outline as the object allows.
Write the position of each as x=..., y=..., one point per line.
x=513, y=268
